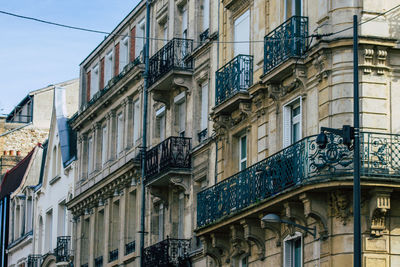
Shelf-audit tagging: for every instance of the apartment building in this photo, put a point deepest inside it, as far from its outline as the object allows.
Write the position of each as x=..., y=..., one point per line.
x=291, y=76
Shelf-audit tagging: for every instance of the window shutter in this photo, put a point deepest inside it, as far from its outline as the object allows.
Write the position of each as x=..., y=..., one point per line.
x=286, y=126
x=88, y=86
x=102, y=73
x=133, y=41
x=116, y=60
x=242, y=25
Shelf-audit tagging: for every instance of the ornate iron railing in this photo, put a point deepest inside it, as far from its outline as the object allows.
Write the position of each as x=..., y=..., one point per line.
x=113, y=255
x=34, y=260
x=98, y=262
x=169, y=252
x=130, y=247
x=288, y=40
x=85, y=265
x=63, y=249
x=299, y=164
x=174, y=55
x=172, y=153
x=233, y=77
x=204, y=36
x=202, y=135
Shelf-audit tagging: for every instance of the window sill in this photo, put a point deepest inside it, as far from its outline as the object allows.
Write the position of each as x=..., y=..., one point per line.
x=55, y=179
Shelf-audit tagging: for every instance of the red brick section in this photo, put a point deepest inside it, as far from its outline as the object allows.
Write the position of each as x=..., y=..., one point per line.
x=133, y=41
x=101, y=73
x=116, y=61
x=88, y=86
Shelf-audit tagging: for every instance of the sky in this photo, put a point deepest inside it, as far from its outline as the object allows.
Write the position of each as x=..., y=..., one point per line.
x=34, y=55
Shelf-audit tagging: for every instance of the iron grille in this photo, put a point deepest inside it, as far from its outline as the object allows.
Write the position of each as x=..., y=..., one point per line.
x=234, y=77
x=204, y=36
x=98, y=262
x=34, y=260
x=63, y=249
x=172, y=153
x=169, y=252
x=299, y=164
x=113, y=255
x=175, y=55
x=288, y=40
x=130, y=247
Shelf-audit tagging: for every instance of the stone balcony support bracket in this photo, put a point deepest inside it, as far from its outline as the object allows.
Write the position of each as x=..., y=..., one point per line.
x=379, y=205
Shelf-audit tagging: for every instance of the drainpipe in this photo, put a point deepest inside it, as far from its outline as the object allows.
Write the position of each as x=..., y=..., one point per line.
x=216, y=139
x=144, y=132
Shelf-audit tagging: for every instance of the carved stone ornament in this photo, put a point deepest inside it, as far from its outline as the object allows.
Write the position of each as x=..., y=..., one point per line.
x=340, y=206
x=243, y=112
x=320, y=63
x=379, y=205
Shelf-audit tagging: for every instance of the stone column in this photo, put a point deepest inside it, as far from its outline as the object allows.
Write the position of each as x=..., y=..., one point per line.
x=107, y=228
x=123, y=215
x=78, y=241
x=92, y=233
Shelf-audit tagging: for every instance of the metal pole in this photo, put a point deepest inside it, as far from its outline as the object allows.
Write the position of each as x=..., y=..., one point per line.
x=356, y=187
x=144, y=132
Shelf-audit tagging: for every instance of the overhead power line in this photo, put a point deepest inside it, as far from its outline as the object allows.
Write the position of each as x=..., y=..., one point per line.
x=164, y=40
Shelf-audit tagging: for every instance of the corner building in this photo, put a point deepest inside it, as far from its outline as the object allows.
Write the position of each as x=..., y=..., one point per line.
x=271, y=99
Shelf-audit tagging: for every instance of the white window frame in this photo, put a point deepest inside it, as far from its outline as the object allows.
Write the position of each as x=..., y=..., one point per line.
x=180, y=104
x=94, y=80
x=120, y=132
x=184, y=12
x=123, y=53
x=160, y=117
x=104, y=144
x=108, y=66
x=240, y=152
x=240, y=261
x=288, y=241
x=287, y=121
x=140, y=41
x=238, y=35
x=136, y=120
x=206, y=14
x=204, y=106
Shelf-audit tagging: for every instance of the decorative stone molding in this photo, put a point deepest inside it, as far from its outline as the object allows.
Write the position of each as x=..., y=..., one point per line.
x=221, y=124
x=379, y=205
x=368, y=60
x=239, y=246
x=213, y=252
x=340, y=206
x=315, y=207
x=272, y=228
x=255, y=234
x=320, y=63
x=243, y=112
x=381, y=61
x=181, y=182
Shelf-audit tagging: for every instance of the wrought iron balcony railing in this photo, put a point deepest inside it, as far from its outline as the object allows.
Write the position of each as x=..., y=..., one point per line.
x=34, y=260
x=202, y=135
x=175, y=55
x=63, y=249
x=204, y=36
x=130, y=247
x=172, y=153
x=113, y=255
x=98, y=262
x=288, y=40
x=169, y=252
x=85, y=265
x=297, y=165
x=235, y=76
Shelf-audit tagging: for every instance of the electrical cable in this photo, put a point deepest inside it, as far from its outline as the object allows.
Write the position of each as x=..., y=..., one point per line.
x=164, y=40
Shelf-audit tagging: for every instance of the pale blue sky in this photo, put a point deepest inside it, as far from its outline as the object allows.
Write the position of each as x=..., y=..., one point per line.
x=34, y=55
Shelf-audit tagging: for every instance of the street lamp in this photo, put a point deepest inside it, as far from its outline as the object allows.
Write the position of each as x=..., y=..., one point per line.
x=273, y=218
x=347, y=133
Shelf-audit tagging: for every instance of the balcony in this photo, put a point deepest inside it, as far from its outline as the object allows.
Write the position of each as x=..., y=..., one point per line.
x=98, y=262
x=169, y=252
x=233, y=78
x=113, y=255
x=130, y=247
x=288, y=40
x=300, y=164
x=34, y=260
x=173, y=57
x=170, y=156
x=63, y=249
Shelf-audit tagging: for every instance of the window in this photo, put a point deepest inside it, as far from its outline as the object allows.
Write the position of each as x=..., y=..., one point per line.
x=90, y=155
x=123, y=51
x=181, y=214
x=115, y=223
x=136, y=120
x=94, y=82
x=140, y=41
x=104, y=144
x=108, y=67
x=292, y=122
x=293, y=250
x=48, y=231
x=29, y=214
x=242, y=152
x=292, y=8
x=100, y=233
x=204, y=106
x=120, y=133
x=242, y=34
x=184, y=22
x=161, y=222
x=54, y=162
x=206, y=14
x=180, y=112
x=160, y=122
x=62, y=216
x=243, y=261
